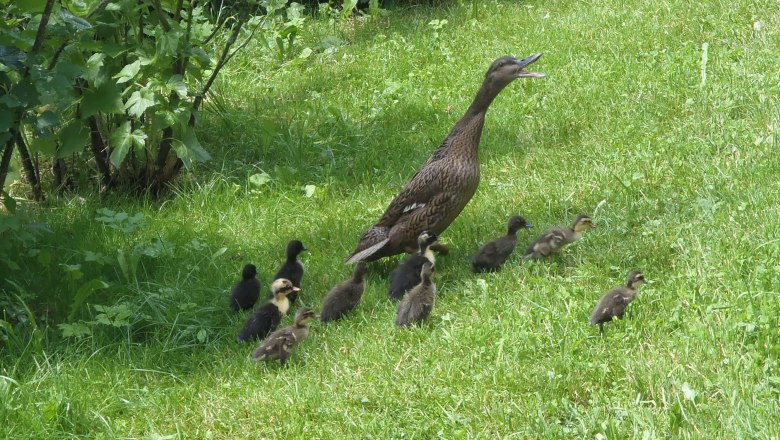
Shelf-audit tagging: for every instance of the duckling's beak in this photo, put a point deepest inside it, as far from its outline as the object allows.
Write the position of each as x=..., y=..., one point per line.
x=525, y=62
x=296, y=289
x=528, y=225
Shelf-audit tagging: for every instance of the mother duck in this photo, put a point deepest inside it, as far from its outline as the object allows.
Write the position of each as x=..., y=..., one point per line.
x=442, y=187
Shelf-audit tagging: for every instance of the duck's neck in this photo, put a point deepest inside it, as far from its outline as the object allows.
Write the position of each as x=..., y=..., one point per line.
x=469, y=128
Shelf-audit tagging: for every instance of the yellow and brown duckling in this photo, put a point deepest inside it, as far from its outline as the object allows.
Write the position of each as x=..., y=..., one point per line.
x=493, y=254
x=417, y=305
x=292, y=268
x=281, y=342
x=556, y=238
x=243, y=295
x=268, y=316
x=407, y=274
x=613, y=303
x=444, y=184
x=345, y=296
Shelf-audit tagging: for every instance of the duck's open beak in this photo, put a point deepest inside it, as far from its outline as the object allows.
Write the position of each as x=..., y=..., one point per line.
x=526, y=62
x=528, y=225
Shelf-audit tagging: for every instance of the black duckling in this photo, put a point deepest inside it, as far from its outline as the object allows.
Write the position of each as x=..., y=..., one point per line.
x=445, y=183
x=267, y=317
x=292, y=269
x=244, y=295
x=418, y=303
x=556, y=238
x=345, y=296
x=492, y=255
x=407, y=274
x=613, y=303
x=281, y=342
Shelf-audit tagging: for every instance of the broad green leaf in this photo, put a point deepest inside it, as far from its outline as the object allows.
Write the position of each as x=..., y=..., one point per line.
x=139, y=138
x=92, y=71
x=12, y=57
x=309, y=190
x=168, y=42
x=83, y=293
x=73, y=22
x=8, y=202
x=192, y=143
x=139, y=101
x=176, y=84
x=259, y=179
x=46, y=145
x=75, y=330
x=73, y=138
x=128, y=72
x=33, y=6
x=6, y=118
x=106, y=98
x=121, y=141
x=46, y=121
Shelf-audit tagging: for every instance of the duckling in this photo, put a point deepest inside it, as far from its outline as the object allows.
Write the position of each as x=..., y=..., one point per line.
x=434, y=197
x=492, y=255
x=407, y=274
x=244, y=295
x=345, y=296
x=292, y=269
x=281, y=342
x=418, y=303
x=555, y=238
x=613, y=303
x=267, y=317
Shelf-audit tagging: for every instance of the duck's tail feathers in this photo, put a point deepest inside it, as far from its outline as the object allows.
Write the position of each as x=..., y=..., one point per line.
x=358, y=256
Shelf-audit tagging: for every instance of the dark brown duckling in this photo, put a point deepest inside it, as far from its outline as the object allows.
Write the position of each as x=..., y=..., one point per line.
x=613, y=303
x=417, y=304
x=345, y=296
x=268, y=316
x=407, y=274
x=444, y=184
x=292, y=268
x=281, y=342
x=493, y=254
x=244, y=295
x=556, y=238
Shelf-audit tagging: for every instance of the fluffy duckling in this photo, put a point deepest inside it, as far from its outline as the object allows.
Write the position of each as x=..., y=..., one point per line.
x=555, y=238
x=418, y=303
x=345, y=296
x=281, y=342
x=407, y=274
x=267, y=317
x=613, y=303
x=244, y=295
x=492, y=255
x=292, y=269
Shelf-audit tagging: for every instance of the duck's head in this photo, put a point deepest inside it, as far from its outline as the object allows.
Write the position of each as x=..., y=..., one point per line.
x=249, y=272
x=506, y=69
x=517, y=222
x=304, y=315
x=635, y=279
x=425, y=239
x=427, y=270
x=582, y=223
x=360, y=271
x=294, y=247
x=283, y=287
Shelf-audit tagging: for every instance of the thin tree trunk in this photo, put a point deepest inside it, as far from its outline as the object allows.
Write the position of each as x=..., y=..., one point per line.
x=5, y=162
x=29, y=168
x=99, y=151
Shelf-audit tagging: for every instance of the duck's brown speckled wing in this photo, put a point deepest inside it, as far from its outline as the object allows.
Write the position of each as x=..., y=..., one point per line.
x=612, y=304
x=547, y=243
x=279, y=344
x=419, y=193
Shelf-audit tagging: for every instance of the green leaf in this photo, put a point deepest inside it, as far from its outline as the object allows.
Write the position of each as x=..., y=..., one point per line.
x=309, y=190
x=92, y=71
x=83, y=293
x=189, y=149
x=259, y=179
x=139, y=101
x=106, y=98
x=8, y=202
x=73, y=137
x=176, y=84
x=168, y=42
x=75, y=23
x=75, y=330
x=33, y=6
x=46, y=121
x=121, y=141
x=46, y=145
x=12, y=57
x=128, y=72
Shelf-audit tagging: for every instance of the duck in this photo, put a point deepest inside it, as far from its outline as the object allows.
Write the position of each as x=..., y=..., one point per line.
x=557, y=237
x=417, y=304
x=268, y=316
x=444, y=184
x=613, y=304
x=407, y=274
x=244, y=294
x=292, y=268
x=280, y=343
x=344, y=296
x=493, y=254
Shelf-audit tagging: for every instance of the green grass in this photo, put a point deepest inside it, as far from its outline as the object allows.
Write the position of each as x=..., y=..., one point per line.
x=680, y=175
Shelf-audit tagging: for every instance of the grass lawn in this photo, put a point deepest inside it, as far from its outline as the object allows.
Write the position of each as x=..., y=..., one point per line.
x=659, y=119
